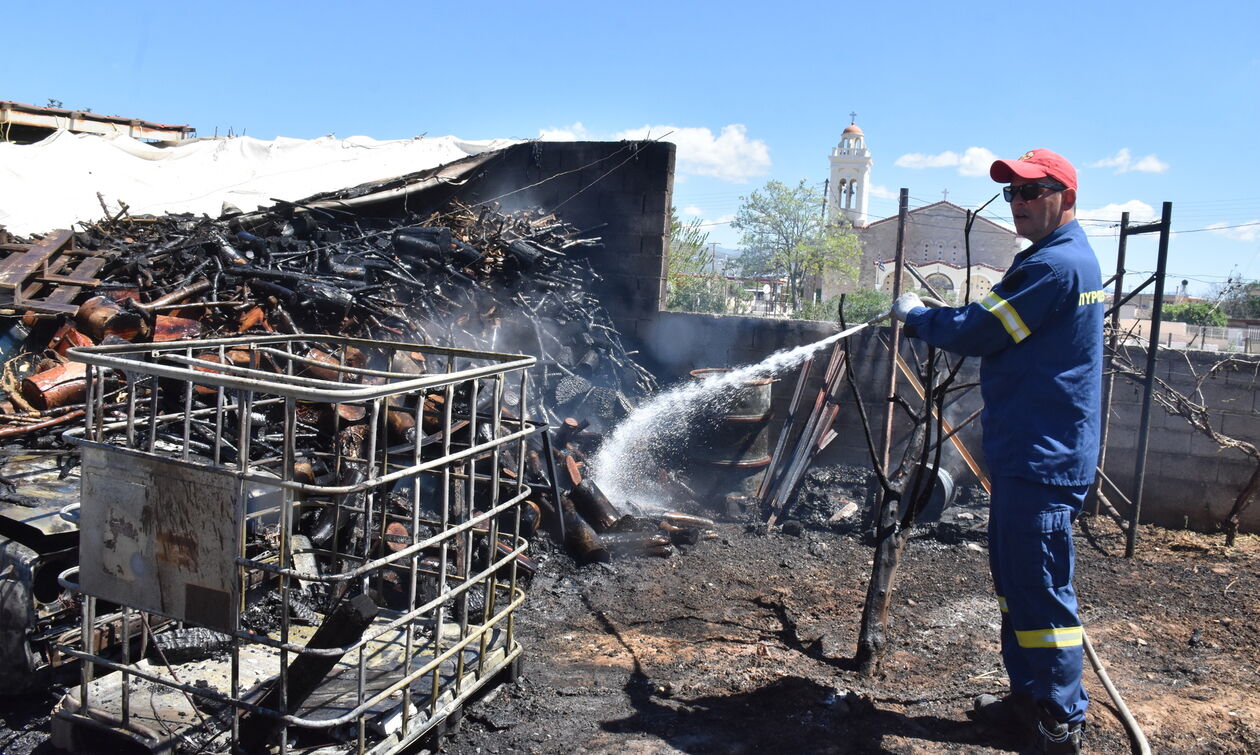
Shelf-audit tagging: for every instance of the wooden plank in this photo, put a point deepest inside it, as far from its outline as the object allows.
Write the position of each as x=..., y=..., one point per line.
x=63, y=295
x=22, y=265
x=56, y=301
x=84, y=273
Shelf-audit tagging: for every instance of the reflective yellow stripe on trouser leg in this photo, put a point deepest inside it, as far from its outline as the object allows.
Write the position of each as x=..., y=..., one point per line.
x=1065, y=637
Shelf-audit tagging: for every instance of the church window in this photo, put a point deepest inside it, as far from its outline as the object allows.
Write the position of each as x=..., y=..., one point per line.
x=943, y=285
x=980, y=286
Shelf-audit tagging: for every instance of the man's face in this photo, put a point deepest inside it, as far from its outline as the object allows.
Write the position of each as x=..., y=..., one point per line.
x=1036, y=218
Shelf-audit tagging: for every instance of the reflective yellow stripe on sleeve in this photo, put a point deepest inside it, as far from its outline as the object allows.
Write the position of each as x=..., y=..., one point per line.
x=1002, y=604
x=1006, y=314
x=1065, y=637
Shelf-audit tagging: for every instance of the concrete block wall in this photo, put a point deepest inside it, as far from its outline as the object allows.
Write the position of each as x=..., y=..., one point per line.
x=1190, y=481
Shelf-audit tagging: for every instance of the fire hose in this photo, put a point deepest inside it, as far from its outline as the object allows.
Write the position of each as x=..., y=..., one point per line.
x=1126, y=717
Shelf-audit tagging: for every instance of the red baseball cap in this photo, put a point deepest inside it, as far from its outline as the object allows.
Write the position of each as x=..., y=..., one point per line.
x=1034, y=164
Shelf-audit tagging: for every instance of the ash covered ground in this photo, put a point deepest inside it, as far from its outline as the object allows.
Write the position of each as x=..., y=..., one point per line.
x=745, y=643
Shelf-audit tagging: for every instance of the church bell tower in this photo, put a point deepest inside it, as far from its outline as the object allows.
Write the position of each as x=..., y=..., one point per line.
x=850, y=177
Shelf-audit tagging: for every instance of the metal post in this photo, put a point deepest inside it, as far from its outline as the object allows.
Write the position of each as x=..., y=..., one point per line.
x=1152, y=352
x=1109, y=359
x=894, y=342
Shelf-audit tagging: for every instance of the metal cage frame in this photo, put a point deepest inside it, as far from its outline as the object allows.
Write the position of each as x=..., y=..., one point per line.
x=169, y=424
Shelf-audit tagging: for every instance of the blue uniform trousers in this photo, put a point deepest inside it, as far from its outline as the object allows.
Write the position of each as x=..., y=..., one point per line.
x=1032, y=560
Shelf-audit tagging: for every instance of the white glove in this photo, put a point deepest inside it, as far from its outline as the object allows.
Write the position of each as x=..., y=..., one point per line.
x=905, y=304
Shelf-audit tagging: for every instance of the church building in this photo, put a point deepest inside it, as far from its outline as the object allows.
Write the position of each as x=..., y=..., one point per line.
x=934, y=236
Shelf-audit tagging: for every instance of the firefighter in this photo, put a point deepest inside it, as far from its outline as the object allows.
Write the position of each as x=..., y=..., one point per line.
x=1039, y=336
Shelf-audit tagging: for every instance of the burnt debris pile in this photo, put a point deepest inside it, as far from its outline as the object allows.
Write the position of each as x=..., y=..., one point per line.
x=468, y=277
x=360, y=374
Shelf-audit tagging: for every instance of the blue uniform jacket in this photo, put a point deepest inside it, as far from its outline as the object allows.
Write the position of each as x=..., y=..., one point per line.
x=1039, y=333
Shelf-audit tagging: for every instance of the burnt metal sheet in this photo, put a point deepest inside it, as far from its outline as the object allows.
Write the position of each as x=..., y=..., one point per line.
x=44, y=491
x=164, y=537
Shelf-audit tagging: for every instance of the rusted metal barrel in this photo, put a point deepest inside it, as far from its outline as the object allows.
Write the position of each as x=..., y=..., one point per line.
x=729, y=447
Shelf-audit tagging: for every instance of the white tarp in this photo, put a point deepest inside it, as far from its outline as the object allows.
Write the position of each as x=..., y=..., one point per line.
x=54, y=183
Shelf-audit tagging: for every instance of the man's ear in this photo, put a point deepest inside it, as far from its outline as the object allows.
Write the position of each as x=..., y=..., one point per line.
x=1069, y=199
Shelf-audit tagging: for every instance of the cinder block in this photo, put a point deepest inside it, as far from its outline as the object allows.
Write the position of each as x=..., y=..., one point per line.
x=1245, y=375
x=1161, y=421
x=624, y=202
x=1183, y=468
x=646, y=266
x=1169, y=442
x=1125, y=419
x=652, y=245
x=1241, y=425
x=1170, y=502
x=656, y=201
x=1121, y=441
x=1176, y=371
x=1233, y=472
x=1202, y=446
x=1219, y=394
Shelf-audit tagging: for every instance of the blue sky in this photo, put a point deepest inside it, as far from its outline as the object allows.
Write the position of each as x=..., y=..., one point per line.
x=1153, y=101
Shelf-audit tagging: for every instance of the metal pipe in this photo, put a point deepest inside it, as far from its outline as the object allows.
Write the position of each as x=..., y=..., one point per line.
x=1109, y=359
x=894, y=345
x=1148, y=387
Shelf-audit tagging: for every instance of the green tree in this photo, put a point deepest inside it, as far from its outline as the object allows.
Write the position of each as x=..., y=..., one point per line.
x=1239, y=299
x=863, y=304
x=859, y=306
x=691, y=284
x=782, y=232
x=1196, y=313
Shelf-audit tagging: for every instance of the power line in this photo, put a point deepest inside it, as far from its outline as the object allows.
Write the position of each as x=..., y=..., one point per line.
x=1220, y=227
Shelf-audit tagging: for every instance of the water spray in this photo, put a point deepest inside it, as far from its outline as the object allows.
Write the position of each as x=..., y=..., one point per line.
x=626, y=463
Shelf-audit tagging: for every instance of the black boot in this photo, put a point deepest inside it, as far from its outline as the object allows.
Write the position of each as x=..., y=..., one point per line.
x=1017, y=712
x=1055, y=738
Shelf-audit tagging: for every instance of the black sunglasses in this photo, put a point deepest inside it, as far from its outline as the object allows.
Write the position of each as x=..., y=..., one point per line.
x=1028, y=192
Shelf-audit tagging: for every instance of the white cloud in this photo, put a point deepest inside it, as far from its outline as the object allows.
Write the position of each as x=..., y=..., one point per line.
x=576, y=132
x=1150, y=164
x=691, y=209
x=1245, y=231
x=1139, y=212
x=918, y=160
x=1123, y=162
x=974, y=161
x=728, y=156
x=883, y=192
